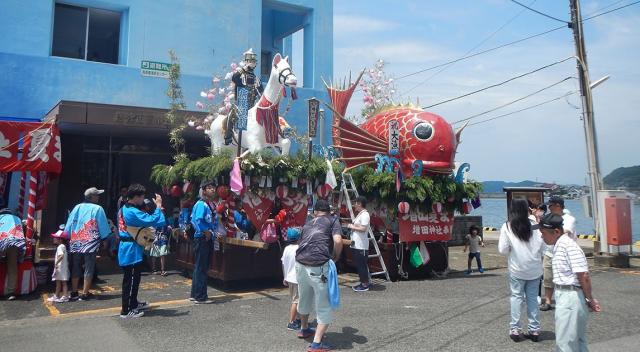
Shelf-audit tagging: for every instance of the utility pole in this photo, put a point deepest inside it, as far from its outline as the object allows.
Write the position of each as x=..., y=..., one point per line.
x=587, y=112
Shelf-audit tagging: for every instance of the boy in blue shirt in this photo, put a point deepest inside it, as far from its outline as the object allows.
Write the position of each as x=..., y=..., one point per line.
x=130, y=252
x=204, y=223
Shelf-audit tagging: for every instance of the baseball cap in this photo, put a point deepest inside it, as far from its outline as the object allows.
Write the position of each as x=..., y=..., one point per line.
x=556, y=200
x=93, y=192
x=293, y=233
x=322, y=205
x=551, y=221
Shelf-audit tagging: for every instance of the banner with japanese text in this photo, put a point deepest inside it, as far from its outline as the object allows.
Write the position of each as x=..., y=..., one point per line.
x=416, y=226
x=30, y=146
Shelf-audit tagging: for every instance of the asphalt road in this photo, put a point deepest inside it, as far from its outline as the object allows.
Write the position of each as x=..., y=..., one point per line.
x=461, y=313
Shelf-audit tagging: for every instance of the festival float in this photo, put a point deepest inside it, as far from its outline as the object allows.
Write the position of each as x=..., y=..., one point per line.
x=33, y=149
x=401, y=158
x=251, y=165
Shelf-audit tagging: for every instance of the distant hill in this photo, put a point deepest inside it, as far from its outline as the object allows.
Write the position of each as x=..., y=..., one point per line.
x=624, y=177
x=496, y=186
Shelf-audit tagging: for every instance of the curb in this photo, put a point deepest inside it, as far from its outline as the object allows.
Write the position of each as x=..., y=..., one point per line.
x=587, y=237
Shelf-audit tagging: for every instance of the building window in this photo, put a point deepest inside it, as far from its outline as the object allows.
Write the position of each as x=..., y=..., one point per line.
x=86, y=33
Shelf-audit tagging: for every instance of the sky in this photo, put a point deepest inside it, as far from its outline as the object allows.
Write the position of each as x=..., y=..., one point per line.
x=544, y=144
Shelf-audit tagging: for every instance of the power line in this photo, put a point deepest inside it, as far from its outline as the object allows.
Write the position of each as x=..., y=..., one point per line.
x=480, y=53
x=511, y=43
x=514, y=101
x=608, y=6
x=468, y=52
x=501, y=83
x=539, y=13
x=524, y=109
x=610, y=11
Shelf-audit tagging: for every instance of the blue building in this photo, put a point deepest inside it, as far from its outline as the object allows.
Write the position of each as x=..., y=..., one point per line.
x=79, y=62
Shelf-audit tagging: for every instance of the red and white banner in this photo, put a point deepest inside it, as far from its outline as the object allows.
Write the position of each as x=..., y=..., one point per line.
x=258, y=207
x=416, y=226
x=25, y=279
x=297, y=204
x=30, y=146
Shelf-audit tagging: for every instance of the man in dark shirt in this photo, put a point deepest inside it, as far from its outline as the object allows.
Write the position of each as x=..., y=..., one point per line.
x=320, y=241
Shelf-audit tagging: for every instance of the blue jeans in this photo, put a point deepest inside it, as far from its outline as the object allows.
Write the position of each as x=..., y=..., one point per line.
x=202, y=252
x=521, y=290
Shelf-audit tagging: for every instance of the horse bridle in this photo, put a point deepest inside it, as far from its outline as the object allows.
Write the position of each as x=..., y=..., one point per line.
x=282, y=77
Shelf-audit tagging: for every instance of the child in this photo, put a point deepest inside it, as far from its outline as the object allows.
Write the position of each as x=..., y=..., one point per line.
x=160, y=246
x=60, y=269
x=473, y=241
x=289, y=271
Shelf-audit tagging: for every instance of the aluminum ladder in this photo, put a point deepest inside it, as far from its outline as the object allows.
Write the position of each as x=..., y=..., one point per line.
x=347, y=190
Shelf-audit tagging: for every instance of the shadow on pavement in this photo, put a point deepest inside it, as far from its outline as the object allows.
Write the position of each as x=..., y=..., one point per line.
x=161, y=312
x=344, y=340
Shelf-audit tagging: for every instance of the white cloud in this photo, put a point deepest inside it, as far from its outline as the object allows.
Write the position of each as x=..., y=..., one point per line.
x=349, y=24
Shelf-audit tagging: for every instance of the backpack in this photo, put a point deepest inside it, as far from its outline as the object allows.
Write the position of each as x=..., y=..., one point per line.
x=268, y=233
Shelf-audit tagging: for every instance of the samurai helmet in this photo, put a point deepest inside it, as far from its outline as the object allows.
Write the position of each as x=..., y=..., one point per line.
x=250, y=58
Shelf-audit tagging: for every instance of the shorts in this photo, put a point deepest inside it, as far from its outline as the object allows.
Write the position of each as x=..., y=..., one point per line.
x=547, y=278
x=314, y=293
x=293, y=293
x=159, y=251
x=89, y=261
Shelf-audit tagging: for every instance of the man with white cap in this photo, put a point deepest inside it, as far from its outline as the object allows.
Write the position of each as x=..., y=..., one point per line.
x=86, y=226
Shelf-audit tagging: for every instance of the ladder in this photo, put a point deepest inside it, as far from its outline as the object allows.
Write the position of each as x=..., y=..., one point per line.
x=347, y=191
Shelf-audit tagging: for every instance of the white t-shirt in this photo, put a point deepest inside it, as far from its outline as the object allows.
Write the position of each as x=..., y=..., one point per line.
x=568, y=259
x=61, y=270
x=569, y=227
x=289, y=263
x=525, y=258
x=361, y=239
x=474, y=243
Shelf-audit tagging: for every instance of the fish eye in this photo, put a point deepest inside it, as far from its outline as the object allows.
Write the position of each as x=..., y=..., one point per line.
x=423, y=131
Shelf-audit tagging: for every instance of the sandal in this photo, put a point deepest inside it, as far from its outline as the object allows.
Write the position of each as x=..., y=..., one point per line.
x=545, y=307
x=164, y=273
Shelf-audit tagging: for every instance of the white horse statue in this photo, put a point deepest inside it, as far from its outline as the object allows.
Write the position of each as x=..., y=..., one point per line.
x=263, y=125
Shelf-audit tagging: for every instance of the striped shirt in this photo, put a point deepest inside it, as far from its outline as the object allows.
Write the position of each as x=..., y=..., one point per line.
x=568, y=259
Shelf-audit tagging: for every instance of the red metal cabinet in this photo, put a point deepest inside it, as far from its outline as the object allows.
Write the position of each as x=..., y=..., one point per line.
x=618, y=221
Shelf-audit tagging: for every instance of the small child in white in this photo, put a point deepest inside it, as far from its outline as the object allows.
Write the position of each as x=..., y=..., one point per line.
x=473, y=241
x=60, y=269
x=289, y=272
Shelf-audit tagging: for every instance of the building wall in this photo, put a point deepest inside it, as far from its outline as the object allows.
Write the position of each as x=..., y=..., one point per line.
x=205, y=34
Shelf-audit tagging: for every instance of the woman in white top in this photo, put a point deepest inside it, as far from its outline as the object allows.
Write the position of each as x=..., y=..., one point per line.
x=360, y=245
x=524, y=246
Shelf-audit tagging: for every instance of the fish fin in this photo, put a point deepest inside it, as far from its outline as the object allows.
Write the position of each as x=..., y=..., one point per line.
x=459, y=131
x=340, y=97
x=356, y=145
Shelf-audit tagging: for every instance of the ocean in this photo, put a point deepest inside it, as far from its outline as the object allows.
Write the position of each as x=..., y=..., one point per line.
x=494, y=214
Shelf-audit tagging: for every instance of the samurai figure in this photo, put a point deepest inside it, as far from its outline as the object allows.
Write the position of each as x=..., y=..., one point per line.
x=245, y=84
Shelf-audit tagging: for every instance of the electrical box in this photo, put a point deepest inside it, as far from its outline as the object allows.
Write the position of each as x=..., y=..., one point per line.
x=618, y=221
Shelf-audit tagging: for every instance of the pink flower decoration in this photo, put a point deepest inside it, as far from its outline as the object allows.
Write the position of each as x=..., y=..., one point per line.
x=199, y=105
x=234, y=65
x=199, y=128
x=210, y=96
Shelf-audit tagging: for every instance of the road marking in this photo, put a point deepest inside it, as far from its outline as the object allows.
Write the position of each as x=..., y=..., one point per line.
x=53, y=311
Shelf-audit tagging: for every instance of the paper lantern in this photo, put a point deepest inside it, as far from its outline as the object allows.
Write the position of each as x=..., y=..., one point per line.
x=323, y=191
x=437, y=207
x=176, y=191
x=403, y=208
x=282, y=191
x=222, y=192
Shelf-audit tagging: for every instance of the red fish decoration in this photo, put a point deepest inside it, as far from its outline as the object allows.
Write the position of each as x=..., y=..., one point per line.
x=424, y=136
